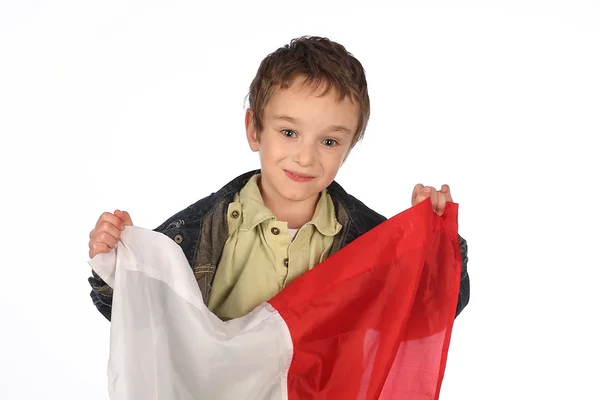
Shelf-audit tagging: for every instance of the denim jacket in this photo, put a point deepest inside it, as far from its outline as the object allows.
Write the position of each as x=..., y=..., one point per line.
x=201, y=230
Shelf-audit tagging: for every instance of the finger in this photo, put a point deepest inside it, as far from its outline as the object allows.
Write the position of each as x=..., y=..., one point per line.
x=96, y=248
x=125, y=217
x=108, y=228
x=105, y=238
x=446, y=190
x=441, y=203
x=422, y=195
x=418, y=189
x=434, y=197
x=111, y=219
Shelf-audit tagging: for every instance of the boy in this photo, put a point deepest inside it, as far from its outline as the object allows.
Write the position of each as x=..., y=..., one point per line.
x=308, y=107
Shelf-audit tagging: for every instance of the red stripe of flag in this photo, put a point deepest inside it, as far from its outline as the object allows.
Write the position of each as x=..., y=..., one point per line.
x=374, y=320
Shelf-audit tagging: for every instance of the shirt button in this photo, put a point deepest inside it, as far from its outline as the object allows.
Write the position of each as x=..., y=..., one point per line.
x=235, y=214
x=285, y=262
x=178, y=238
x=275, y=231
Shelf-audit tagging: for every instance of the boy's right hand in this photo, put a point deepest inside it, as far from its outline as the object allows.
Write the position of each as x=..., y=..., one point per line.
x=106, y=234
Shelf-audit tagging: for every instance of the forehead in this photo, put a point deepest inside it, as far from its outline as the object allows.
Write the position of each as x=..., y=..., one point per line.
x=312, y=102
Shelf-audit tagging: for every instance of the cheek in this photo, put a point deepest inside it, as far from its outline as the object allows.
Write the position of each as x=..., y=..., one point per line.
x=269, y=149
x=332, y=162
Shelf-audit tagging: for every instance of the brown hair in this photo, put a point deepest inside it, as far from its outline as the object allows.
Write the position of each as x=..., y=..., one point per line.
x=321, y=61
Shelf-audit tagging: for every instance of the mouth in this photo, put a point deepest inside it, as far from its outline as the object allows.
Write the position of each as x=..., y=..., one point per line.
x=298, y=177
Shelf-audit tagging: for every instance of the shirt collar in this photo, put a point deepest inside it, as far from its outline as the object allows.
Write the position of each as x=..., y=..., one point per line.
x=255, y=212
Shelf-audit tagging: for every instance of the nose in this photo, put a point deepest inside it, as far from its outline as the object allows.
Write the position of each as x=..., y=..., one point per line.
x=305, y=155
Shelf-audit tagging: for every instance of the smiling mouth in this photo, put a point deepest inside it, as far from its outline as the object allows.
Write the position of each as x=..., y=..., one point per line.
x=298, y=177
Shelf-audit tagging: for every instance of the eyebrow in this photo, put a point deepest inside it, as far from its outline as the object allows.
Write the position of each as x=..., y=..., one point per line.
x=331, y=128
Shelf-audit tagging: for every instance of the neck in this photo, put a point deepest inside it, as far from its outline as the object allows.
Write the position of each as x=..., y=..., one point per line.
x=295, y=213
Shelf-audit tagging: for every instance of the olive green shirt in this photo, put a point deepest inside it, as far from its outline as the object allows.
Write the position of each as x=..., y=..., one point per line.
x=261, y=255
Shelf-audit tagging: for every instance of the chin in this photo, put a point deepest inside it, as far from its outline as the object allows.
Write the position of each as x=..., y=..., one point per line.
x=296, y=195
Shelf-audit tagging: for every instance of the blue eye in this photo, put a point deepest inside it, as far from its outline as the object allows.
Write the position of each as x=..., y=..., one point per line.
x=288, y=133
x=329, y=142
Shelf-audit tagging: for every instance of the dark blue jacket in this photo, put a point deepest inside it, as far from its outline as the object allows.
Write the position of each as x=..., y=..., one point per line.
x=201, y=230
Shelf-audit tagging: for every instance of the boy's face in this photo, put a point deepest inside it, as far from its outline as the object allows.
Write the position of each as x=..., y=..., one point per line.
x=304, y=141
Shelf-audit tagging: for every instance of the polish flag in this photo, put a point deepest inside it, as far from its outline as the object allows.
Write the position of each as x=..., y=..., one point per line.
x=373, y=321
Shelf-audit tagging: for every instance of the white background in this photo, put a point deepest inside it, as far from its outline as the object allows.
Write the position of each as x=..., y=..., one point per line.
x=139, y=105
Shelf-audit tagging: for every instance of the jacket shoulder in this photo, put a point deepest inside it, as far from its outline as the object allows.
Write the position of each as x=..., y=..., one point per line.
x=359, y=214
x=196, y=212
x=359, y=210
x=190, y=214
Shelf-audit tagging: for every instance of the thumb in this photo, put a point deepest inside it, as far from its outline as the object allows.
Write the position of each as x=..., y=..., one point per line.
x=125, y=217
x=446, y=191
x=420, y=193
x=418, y=189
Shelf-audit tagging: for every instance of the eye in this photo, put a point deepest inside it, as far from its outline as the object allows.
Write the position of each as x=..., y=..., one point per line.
x=329, y=142
x=288, y=133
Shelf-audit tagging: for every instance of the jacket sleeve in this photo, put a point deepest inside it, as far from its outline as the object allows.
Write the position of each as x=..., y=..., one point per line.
x=465, y=284
x=101, y=295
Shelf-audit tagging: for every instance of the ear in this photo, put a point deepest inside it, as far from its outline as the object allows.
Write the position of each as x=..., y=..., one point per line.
x=251, y=133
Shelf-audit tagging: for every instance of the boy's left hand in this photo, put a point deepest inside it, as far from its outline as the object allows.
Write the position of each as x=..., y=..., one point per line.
x=439, y=198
